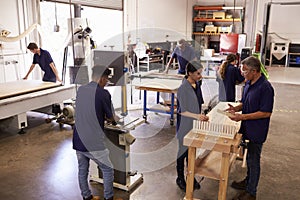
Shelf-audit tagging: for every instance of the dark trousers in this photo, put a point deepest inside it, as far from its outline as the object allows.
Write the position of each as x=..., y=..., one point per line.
x=253, y=167
x=181, y=155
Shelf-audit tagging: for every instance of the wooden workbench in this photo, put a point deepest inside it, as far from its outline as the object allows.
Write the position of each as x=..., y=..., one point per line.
x=159, y=85
x=160, y=82
x=217, y=163
x=18, y=97
x=16, y=88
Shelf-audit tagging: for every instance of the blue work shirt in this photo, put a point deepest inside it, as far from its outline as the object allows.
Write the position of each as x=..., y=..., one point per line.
x=257, y=97
x=44, y=60
x=183, y=57
x=227, y=88
x=93, y=104
x=189, y=99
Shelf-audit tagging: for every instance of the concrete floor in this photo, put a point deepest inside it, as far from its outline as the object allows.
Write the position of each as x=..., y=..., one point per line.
x=41, y=164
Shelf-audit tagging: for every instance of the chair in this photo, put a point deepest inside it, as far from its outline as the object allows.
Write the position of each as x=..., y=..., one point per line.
x=140, y=51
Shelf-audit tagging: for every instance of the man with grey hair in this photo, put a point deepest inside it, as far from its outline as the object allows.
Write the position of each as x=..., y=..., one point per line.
x=256, y=106
x=184, y=53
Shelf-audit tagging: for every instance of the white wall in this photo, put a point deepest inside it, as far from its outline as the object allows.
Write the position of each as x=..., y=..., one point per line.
x=220, y=2
x=152, y=21
x=284, y=20
x=9, y=12
x=12, y=53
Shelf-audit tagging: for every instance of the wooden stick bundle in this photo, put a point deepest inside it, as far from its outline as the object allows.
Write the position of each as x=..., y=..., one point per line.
x=215, y=129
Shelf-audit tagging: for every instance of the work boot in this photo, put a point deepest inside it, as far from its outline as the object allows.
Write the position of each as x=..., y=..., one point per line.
x=112, y=198
x=92, y=198
x=181, y=183
x=239, y=185
x=197, y=185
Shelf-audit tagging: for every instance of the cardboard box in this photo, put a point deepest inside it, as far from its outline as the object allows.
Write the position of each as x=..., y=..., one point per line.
x=219, y=15
x=211, y=29
x=209, y=52
x=224, y=29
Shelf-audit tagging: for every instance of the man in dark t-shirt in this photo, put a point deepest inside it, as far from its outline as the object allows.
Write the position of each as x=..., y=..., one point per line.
x=184, y=53
x=93, y=107
x=256, y=106
x=45, y=61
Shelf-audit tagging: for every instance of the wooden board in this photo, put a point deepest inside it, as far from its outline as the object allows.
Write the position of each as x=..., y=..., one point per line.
x=211, y=142
x=159, y=85
x=216, y=117
x=15, y=88
x=210, y=165
x=157, y=74
x=174, y=76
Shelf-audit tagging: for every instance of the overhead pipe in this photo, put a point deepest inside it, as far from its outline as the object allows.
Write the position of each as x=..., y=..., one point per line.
x=77, y=10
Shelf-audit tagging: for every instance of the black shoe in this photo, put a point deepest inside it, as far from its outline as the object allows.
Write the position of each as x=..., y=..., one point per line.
x=92, y=198
x=112, y=198
x=181, y=183
x=247, y=196
x=88, y=198
x=197, y=185
x=244, y=196
x=239, y=185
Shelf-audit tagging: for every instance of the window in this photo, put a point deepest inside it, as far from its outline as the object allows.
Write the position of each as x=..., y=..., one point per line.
x=106, y=25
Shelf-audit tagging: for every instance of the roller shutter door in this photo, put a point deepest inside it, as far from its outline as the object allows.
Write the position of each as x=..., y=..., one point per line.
x=108, y=4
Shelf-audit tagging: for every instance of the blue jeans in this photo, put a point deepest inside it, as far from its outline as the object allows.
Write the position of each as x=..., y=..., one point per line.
x=253, y=167
x=101, y=158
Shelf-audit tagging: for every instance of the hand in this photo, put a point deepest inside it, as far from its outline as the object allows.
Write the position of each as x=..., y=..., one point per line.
x=116, y=118
x=236, y=117
x=58, y=80
x=230, y=109
x=203, y=117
